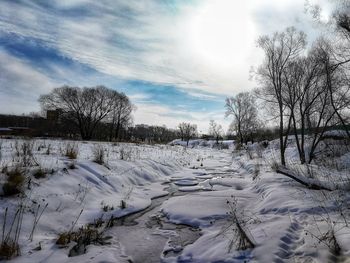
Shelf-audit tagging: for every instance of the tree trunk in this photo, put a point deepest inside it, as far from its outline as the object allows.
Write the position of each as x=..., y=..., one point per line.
x=117, y=129
x=283, y=160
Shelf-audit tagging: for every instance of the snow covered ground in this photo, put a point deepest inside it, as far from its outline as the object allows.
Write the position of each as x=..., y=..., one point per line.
x=173, y=204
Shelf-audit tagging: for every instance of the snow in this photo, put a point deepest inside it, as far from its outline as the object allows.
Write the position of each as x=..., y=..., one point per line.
x=335, y=133
x=179, y=204
x=203, y=143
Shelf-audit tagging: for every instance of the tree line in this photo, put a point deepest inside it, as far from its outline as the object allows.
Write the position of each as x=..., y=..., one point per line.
x=97, y=113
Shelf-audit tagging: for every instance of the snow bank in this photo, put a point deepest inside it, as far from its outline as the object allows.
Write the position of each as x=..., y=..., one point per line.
x=203, y=143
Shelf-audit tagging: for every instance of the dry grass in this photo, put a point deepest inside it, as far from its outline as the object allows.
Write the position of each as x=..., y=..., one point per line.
x=71, y=150
x=40, y=173
x=14, y=183
x=98, y=154
x=9, y=249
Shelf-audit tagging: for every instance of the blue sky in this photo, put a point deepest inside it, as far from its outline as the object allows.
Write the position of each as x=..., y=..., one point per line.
x=177, y=60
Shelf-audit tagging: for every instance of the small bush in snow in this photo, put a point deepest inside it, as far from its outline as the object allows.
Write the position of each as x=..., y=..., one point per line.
x=9, y=247
x=83, y=237
x=24, y=153
x=98, y=154
x=107, y=208
x=48, y=149
x=71, y=150
x=39, y=173
x=72, y=166
x=14, y=183
x=125, y=154
x=274, y=165
x=241, y=236
x=123, y=204
x=256, y=172
x=329, y=237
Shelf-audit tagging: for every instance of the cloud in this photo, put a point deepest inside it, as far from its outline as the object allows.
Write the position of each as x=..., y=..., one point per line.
x=139, y=97
x=147, y=40
x=163, y=115
x=177, y=60
x=20, y=85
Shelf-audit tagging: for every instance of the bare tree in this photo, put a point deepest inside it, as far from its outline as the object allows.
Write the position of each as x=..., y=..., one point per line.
x=313, y=98
x=245, y=116
x=279, y=50
x=187, y=131
x=215, y=130
x=302, y=78
x=336, y=81
x=85, y=107
x=120, y=116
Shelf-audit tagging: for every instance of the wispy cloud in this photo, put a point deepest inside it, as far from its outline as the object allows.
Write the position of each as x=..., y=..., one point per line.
x=20, y=84
x=170, y=57
x=142, y=40
x=165, y=115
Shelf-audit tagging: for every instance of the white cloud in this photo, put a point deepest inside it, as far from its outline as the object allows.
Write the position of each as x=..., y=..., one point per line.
x=20, y=85
x=163, y=115
x=139, y=97
x=144, y=40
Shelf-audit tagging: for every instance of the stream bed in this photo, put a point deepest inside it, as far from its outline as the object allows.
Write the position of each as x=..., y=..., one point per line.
x=147, y=236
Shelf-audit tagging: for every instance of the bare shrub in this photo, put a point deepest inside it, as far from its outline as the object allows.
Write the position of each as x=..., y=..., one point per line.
x=328, y=238
x=107, y=208
x=65, y=238
x=9, y=249
x=48, y=149
x=40, y=173
x=241, y=236
x=15, y=181
x=126, y=197
x=86, y=235
x=24, y=153
x=71, y=150
x=272, y=161
x=82, y=192
x=37, y=217
x=125, y=154
x=98, y=154
x=256, y=172
x=9, y=246
x=72, y=165
x=83, y=237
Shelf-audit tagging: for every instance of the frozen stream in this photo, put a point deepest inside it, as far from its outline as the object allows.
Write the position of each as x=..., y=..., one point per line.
x=147, y=236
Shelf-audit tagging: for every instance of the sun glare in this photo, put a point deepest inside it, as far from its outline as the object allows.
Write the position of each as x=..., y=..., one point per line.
x=220, y=33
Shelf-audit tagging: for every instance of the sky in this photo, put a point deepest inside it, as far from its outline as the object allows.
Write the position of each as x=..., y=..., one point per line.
x=177, y=60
